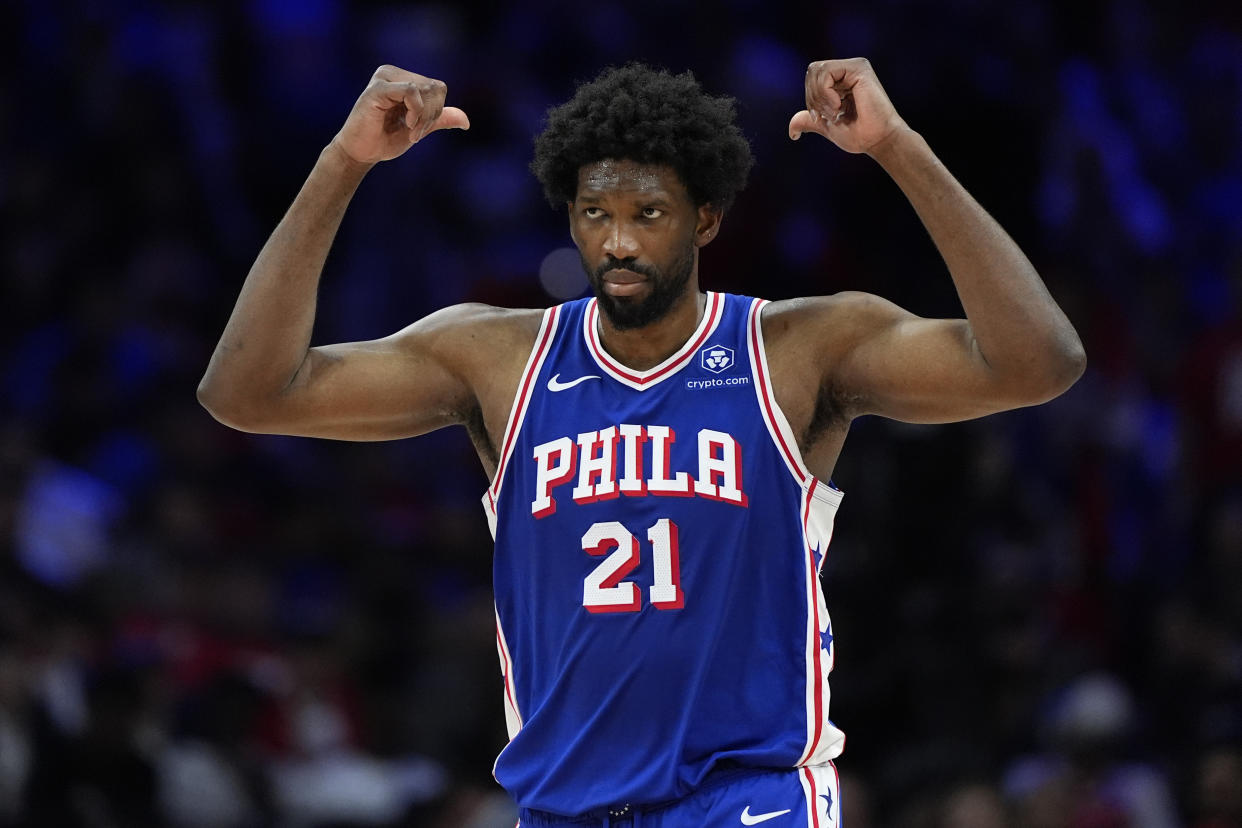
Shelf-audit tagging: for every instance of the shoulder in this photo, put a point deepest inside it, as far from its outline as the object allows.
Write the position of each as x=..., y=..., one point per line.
x=468, y=331
x=811, y=343
x=475, y=316
x=485, y=348
x=807, y=342
x=822, y=325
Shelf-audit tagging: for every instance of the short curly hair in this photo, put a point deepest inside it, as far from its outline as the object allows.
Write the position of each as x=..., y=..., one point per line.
x=638, y=113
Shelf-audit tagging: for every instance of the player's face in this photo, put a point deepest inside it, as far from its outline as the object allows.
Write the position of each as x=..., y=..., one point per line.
x=638, y=234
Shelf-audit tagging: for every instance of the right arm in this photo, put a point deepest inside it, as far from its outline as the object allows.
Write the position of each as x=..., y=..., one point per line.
x=265, y=377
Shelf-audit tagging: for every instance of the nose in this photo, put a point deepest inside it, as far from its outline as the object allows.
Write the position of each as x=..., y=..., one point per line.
x=620, y=242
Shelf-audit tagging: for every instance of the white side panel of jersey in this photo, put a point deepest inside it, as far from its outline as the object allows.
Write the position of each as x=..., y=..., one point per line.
x=822, y=504
x=513, y=716
x=818, y=508
x=821, y=785
x=825, y=501
x=817, y=667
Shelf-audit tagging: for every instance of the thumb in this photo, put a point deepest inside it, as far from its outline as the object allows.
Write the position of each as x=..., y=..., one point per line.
x=451, y=118
x=802, y=122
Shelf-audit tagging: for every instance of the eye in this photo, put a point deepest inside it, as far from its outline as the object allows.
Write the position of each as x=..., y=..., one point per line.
x=592, y=212
x=652, y=212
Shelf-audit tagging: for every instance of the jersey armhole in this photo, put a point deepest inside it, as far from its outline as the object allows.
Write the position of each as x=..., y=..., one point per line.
x=825, y=492
x=517, y=412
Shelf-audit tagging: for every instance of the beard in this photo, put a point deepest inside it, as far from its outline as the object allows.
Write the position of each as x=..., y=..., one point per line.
x=626, y=313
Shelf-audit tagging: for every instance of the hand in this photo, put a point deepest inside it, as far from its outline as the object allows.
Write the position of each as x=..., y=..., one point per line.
x=396, y=111
x=846, y=104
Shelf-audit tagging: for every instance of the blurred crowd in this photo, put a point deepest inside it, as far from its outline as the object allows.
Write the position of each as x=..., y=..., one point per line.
x=1038, y=615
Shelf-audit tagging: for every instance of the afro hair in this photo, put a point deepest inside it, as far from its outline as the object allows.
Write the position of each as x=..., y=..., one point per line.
x=641, y=114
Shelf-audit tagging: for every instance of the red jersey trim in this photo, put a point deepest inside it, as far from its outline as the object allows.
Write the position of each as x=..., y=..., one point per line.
x=815, y=688
x=813, y=801
x=641, y=380
x=778, y=426
x=507, y=663
x=521, y=399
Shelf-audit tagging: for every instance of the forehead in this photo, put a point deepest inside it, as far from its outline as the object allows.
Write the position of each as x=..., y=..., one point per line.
x=612, y=177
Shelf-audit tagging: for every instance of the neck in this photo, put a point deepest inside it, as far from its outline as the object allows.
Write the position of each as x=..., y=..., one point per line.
x=648, y=346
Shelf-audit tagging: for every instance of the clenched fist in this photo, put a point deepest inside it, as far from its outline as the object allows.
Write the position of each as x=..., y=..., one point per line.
x=846, y=104
x=396, y=110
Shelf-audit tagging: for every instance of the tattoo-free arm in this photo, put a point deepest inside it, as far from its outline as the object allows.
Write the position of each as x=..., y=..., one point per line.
x=264, y=376
x=1015, y=347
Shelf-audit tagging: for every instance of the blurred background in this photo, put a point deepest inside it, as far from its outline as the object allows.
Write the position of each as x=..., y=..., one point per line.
x=1038, y=614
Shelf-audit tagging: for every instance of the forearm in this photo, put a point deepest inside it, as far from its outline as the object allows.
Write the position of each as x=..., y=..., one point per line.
x=268, y=334
x=1018, y=329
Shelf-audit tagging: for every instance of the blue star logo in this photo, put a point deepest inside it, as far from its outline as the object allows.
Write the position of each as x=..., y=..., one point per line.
x=825, y=640
x=828, y=804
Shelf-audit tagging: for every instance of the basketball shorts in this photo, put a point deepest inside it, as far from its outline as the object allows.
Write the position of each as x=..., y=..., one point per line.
x=796, y=798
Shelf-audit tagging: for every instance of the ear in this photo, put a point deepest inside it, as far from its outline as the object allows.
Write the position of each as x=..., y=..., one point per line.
x=708, y=224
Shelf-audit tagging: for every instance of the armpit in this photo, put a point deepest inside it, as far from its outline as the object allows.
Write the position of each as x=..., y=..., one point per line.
x=832, y=407
x=475, y=427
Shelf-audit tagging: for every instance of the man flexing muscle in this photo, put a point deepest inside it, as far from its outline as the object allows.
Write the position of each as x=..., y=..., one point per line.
x=659, y=454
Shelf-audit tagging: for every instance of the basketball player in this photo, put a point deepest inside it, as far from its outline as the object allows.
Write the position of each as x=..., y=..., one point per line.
x=658, y=454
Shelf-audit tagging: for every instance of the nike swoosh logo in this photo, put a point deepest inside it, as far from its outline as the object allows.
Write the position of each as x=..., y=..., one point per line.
x=554, y=385
x=754, y=819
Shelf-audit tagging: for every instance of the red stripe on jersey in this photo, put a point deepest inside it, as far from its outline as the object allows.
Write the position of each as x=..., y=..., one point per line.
x=504, y=657
x=715, y=304
x=768, y=396
x=519, y=407
x=814, y=804
x=818, y=665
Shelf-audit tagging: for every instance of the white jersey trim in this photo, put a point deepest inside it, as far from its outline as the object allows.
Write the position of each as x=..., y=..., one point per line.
x=816, y=675
x=773, y=416
x=820, y=782
x=641, y=380
x=517, y=413
x=825, y=741
x=818, y=508
x=513, y=715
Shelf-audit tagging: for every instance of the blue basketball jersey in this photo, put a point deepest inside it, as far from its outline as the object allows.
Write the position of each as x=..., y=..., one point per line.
x=658, y=545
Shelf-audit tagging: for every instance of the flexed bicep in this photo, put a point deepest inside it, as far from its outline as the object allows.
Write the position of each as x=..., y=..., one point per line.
x=429, y=375
x=378, y=390
x=915, y=369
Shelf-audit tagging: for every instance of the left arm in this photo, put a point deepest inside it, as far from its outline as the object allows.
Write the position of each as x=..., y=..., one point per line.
x=1015, y=347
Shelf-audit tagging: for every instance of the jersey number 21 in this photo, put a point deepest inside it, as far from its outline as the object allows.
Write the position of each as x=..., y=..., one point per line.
x=604, y=591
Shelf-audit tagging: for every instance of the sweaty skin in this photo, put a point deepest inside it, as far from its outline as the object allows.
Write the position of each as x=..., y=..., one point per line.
x=832, y=358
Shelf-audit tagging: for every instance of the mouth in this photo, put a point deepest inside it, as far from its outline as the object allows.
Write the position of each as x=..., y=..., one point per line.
x=622, y=282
